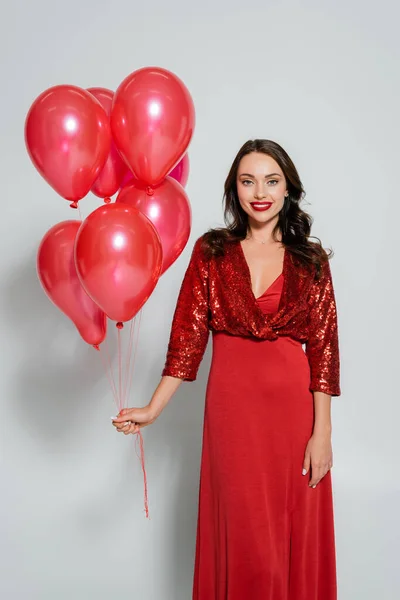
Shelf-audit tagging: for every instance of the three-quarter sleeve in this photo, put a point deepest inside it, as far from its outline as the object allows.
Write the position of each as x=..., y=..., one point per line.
x=322, y=346
x=190, y=329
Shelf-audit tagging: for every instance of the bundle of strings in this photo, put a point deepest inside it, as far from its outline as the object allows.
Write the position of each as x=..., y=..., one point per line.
x=122, y=390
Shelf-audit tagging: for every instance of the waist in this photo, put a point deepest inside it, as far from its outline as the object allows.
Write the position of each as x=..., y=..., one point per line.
x=225, y=336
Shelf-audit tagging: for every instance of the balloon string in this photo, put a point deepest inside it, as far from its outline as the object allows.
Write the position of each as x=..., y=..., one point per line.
x=141, y=443
x=128, y=358
x=121, y=399
x=141, y=458
x=134, y=352
x=80, y=213
x=110, y=378
x=114, y=387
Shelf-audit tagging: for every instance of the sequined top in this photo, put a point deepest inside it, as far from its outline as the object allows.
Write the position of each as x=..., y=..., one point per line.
x=216, y=294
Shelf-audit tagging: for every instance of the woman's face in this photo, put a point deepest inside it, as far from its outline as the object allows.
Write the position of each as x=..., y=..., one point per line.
x=261, y=187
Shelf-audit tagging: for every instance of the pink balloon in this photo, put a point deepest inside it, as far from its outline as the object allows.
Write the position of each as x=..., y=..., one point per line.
x=118, y=257
x=181, y=171
x=110, y=178
x=67, y=135
x=168, y=208
x=152, y=122
x=59, y=279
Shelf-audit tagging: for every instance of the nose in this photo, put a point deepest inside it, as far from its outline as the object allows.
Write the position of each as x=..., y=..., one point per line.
x=260, y=193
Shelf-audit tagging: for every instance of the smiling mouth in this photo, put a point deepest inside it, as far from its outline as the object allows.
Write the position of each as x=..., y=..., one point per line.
x=261, y=205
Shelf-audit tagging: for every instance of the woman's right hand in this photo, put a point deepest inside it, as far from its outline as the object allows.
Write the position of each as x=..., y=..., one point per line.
x=131, y=420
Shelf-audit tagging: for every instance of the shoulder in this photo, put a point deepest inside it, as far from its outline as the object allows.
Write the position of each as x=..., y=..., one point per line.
x=215, y=242
x=200, y=244
x=321, y=260
x=199, y=250
x=212, y=245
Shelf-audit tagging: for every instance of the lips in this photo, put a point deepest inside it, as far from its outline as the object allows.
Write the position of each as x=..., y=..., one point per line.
x=261, y=206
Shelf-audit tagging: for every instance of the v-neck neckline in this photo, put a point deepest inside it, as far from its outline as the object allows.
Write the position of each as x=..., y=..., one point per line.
x=271, y=285
x=248, y=273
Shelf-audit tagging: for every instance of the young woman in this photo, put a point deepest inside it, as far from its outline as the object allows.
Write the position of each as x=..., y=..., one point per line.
x=265, y=524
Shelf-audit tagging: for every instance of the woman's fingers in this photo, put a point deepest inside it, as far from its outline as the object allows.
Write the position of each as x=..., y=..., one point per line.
x=133, y=428
x=122, y=426
x=126, y=427
x=317, y=473
x=131, y=420
x=316, y=476
x=130, y=414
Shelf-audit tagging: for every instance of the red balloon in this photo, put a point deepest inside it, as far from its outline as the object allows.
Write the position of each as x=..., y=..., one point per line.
x=181, y=171
x=59, y=279
x=110, y=178
x=168, y=208
x=118, y=257
x=68, y=138
x=152, y=122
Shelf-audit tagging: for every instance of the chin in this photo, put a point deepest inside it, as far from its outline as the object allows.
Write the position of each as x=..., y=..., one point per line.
x=263, y=217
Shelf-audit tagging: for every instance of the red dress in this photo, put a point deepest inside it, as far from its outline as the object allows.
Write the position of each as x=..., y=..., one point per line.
x=263, y=533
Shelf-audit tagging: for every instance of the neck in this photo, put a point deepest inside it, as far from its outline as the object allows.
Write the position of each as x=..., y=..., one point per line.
x=263, y=231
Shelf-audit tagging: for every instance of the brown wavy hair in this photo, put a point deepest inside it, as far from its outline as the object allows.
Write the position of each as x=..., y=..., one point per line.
x=294, y=224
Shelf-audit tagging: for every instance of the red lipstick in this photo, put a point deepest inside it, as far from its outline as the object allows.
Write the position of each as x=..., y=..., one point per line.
x=261, y=206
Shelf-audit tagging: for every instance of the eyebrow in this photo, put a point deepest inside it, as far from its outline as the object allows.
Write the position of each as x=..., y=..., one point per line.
x=250, y=175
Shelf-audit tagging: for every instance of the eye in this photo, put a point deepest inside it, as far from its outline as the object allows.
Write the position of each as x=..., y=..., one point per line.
x=273, y=181
x=245, y=181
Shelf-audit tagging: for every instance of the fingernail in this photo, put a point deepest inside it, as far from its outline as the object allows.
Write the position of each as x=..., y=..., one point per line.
x=304, y=471
x=113, y=418
x=313, y=486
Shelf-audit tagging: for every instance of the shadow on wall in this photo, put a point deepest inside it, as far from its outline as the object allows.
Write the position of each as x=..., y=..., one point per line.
x=56, y=371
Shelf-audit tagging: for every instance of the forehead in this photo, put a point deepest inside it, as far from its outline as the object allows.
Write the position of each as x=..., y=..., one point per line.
x=258, y=164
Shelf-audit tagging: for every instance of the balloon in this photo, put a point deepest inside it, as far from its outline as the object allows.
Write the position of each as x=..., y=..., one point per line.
x=152, y=122
x=59, y=279
x=110, y=178
x=181, y=171
x=118, y=256
x=168, y=208
x=68, y=138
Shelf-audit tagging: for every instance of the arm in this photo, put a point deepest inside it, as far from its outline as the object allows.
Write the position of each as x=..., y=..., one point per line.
x=322, y=349
x=130, y=420
x=322, y=412
x=322, y=346
x=163, y=394
x=318, y=454
x=189, y=330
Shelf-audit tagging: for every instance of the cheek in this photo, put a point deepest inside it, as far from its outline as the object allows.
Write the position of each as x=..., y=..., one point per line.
x=244, y=194
x=244, y=198
x=244, y=204
x=278, y=194
x=278, y=191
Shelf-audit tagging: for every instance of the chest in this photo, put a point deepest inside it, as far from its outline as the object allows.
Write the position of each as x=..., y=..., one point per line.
x=265, y=265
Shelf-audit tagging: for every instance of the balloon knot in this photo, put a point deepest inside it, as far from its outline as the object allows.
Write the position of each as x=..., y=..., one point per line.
x=107, y=200
x=120, y=325
x=149, y=191
x=74, y=205
x=96, y=347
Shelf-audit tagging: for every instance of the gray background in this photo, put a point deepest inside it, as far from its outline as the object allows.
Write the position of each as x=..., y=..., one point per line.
x=320, y=78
